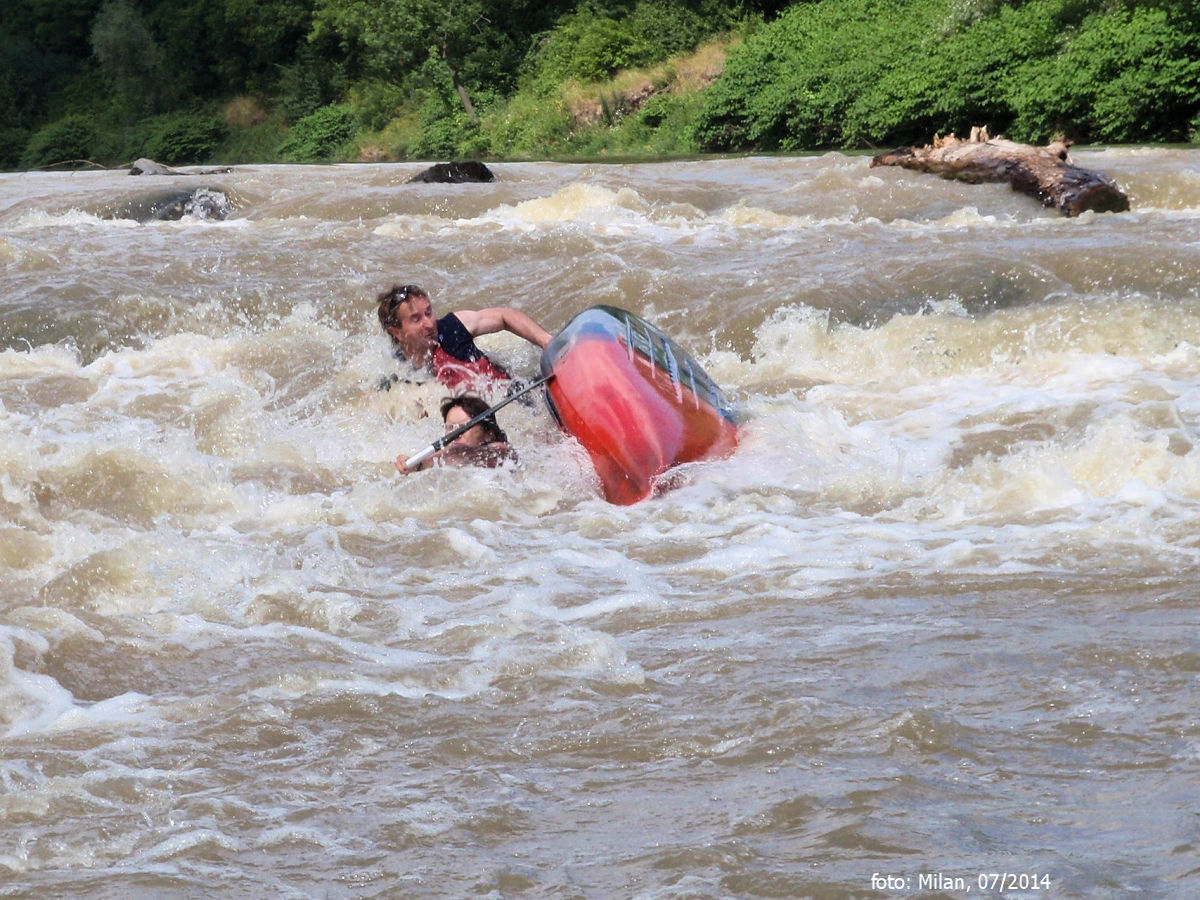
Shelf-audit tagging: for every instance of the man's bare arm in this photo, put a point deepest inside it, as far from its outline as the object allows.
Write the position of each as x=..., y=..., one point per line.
x=501, y=318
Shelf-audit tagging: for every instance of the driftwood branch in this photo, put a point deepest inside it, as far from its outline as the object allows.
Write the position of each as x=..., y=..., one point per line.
x=1046, y=173
x=68, y=162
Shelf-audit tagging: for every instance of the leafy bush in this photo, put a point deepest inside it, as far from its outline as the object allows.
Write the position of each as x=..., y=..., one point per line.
x=70, y=139
x=526, y=126
x=660, y=29
x=171, y=138
x=777, y=83
x=854, y=73
x=186, y=138
x=319, y=136
x=375, y=103
x=446, y=132
x=587, y=46
x=658, y=109
x=960, y=76
x=659, y=128
x=1125, y=75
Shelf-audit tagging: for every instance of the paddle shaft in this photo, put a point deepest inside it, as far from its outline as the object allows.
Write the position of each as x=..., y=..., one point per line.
x=417, y=458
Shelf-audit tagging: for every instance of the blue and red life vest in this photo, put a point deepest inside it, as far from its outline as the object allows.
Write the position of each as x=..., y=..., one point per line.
x=457, y=362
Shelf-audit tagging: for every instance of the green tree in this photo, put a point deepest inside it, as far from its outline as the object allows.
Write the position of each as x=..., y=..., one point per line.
x=25, y=76
x=131, y=61
x=57, y=26
x=43, y=44
x=223, y=47
x=478, y=43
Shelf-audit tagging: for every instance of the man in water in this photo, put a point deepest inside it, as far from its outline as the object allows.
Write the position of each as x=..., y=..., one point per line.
x=484, y=444
x=446, y=346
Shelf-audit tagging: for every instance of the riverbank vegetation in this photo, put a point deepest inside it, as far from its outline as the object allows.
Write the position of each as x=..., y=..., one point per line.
x=237, y=81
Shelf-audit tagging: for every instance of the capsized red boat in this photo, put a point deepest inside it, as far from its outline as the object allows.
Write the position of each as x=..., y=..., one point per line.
x=635, y=400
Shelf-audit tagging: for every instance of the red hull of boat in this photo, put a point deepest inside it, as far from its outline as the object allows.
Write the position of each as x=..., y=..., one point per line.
x=636, y=419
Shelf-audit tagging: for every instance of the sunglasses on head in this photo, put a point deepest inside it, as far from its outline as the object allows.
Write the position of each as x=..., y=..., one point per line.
x=402, y=295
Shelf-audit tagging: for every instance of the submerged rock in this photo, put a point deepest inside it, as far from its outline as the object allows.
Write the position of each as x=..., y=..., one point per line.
x=170, y=204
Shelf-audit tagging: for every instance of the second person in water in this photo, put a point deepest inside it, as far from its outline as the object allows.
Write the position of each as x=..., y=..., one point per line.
x=484, y=444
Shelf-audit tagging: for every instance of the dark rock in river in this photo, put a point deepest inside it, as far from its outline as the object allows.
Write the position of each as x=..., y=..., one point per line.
x=455, y=173
x=169, y=204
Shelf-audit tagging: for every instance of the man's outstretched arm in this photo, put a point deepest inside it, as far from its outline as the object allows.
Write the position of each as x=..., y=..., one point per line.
x=501, y=318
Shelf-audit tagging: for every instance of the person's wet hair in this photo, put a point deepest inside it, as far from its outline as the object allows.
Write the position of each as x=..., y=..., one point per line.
x=473, y=405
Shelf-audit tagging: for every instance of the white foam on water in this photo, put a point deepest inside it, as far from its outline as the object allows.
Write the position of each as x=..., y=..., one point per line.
x=28, y=701
x=40, y=219
x=198, y=433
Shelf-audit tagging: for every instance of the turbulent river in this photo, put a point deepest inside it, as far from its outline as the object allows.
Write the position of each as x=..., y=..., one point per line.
x=930, y=631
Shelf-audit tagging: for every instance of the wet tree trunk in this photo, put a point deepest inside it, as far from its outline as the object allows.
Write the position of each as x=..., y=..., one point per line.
x=463, y=96
x=1046, y=173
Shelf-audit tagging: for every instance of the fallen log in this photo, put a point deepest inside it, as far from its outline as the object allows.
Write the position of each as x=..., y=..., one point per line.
x=1047, y=173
